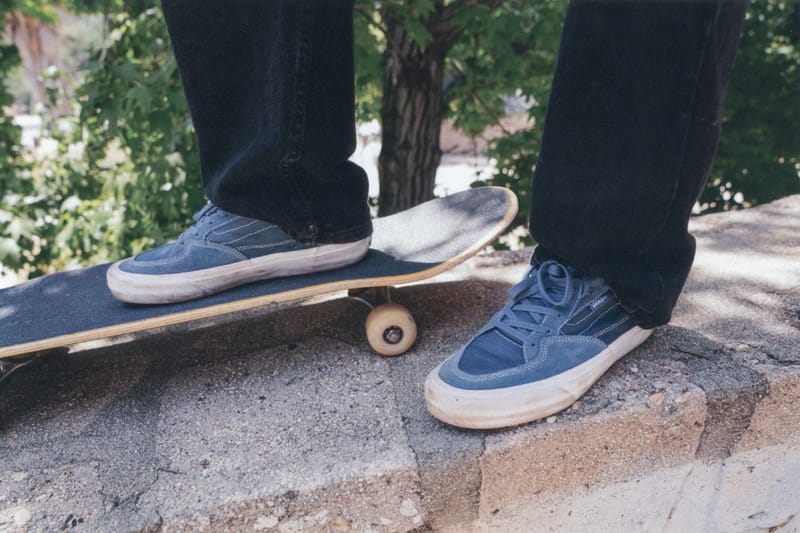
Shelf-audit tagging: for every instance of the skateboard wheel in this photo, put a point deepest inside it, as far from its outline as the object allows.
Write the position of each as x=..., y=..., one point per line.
x=391, y=329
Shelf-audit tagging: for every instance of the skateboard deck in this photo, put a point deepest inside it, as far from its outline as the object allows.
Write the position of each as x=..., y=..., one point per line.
x=71, y=307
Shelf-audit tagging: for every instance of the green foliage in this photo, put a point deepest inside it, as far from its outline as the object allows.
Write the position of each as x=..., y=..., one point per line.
x=368, y=46
x=121, y=174
x=32, y=8
x=508, y=52
x=132, y=101
x=413, y=16
x=9, y=141
x=759, y=153
x=116, y=181
x=502, y=51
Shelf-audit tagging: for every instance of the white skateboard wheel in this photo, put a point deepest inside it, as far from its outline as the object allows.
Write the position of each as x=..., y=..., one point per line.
x=391, y=329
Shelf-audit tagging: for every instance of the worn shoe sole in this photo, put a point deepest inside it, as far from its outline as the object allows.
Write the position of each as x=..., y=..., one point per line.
x=171, y=288
x=510, y=406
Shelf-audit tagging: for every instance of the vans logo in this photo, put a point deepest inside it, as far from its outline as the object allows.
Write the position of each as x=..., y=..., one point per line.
x=597, y=302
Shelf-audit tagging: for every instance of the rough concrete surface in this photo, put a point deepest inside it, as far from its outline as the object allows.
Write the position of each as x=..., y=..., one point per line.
x=283, y=420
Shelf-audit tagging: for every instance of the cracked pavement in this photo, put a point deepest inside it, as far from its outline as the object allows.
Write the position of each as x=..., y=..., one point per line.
x=283, y=419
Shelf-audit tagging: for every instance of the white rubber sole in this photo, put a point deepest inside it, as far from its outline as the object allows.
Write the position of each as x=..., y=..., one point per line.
x=171, y=288
x=510, y=406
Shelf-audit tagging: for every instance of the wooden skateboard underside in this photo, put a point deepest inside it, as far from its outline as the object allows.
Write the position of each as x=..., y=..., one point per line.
x=72, y=307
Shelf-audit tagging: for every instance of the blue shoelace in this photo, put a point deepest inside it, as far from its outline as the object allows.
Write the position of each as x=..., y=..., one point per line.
x=534, y=299
x=207, y=210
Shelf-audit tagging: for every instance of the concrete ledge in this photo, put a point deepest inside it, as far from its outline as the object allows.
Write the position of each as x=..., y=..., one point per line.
x=284, y=420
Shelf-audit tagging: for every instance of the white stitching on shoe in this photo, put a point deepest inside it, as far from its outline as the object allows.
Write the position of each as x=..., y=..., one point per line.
x=203, y=244
x=248, y=235
x=598, y=317
x=265, y=246
x=222, y=248
x=612, y=326
x=219, y=231
x=521, y=369
x=246, y=224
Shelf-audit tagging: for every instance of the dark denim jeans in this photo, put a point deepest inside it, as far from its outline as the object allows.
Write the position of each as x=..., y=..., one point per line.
x=270, y=88
x=631, y=130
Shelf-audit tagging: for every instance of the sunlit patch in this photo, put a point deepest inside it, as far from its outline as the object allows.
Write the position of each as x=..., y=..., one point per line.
x=7, y=311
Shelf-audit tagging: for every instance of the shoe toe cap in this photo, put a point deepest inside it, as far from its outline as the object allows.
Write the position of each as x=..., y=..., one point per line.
x=177, y=258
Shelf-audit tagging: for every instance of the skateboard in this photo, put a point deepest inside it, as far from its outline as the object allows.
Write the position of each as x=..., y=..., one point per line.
x=59, y=310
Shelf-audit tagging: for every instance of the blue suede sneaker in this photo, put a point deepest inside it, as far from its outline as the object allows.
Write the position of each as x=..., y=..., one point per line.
x=222, y=250
x=559, y=333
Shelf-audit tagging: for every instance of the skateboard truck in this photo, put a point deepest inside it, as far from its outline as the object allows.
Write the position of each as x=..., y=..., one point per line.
x=391, y=330
x=12, y=364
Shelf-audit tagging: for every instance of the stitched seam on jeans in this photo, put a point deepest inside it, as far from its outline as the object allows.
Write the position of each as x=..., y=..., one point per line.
x=302, y=65
x=707, y=43
x=297, y=113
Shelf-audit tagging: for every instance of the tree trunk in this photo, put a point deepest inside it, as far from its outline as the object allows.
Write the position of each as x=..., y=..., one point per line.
x=39, y=45
x=411, y=118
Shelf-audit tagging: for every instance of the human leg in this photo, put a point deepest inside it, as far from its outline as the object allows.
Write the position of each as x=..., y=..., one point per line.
x=631, y=130
x=270, y=88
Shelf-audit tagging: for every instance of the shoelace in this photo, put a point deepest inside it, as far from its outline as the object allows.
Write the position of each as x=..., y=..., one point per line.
x=206, y=211
x=533, y=300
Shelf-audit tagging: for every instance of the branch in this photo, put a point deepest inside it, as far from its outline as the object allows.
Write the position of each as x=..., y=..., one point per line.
x=398, y=52
x=440, y=23
x=482, y=103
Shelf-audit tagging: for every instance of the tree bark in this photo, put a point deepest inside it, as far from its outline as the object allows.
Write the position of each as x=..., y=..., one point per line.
x=39, y=46
x=411, y=117
x=414, y=106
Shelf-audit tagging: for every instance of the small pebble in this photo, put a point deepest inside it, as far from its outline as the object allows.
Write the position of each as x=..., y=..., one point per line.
x=408, y=509
x=22, y=516
x=551, y=419
x=656, y=399
x=266, y=522
x=342, y=524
